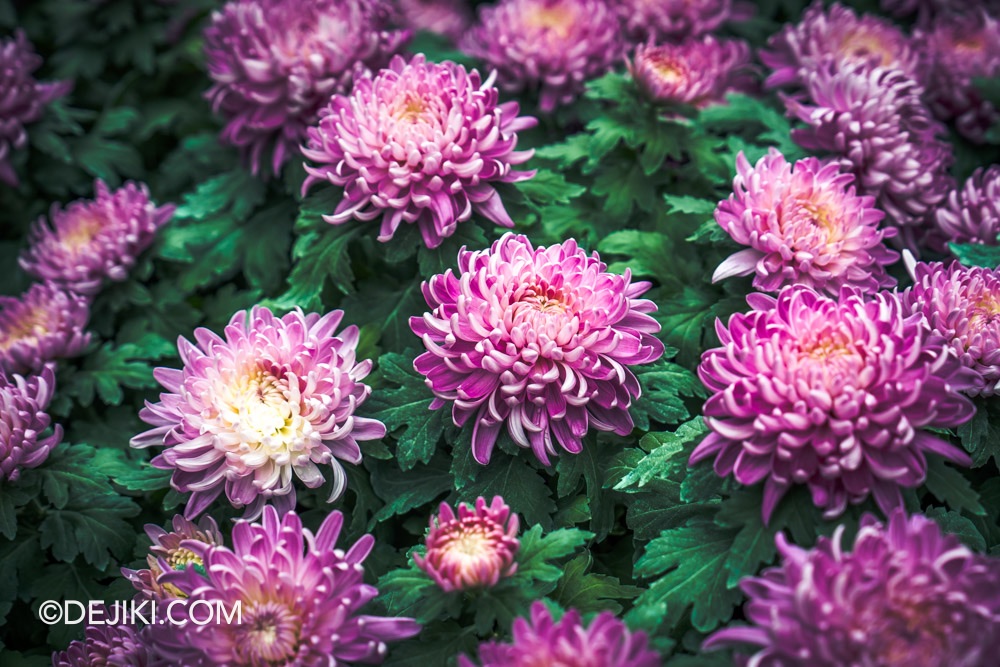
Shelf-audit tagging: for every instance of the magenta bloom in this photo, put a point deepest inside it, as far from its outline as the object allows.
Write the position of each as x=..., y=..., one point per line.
x=674, y=20
x=875, y=124
x=23, y=420
x=836, y=38
x=450, y=18
x=972, y=213
x=834, y=394
x=907, y=595
x=421, y=143
x=537, y=340
x=44, y=324
x=958, y=48
x=300, y=596
x=111, y=645
x=541, y=640
x=698, y=72
x=962, y=305
x=805, y=226
x=22, y=98
x=166, y=555
x=553, y=46
x=475, y=549
x=93, y=241
x=273, y=400
x=275, y=63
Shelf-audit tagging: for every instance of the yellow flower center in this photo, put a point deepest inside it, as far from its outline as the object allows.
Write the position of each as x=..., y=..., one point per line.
x=555, y=18
x=28, y=328
x=269, y=634
x=865, y=44
x=80, y=235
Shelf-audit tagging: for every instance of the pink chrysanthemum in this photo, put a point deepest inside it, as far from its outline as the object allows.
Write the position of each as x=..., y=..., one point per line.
x=22, y=98
x=422, y=143
x=105, y=646
x=275, y=63
x=962, y=305
x=23, y=420
x=475, y=549
x=834, y=38
x=541, y=640
x=537, y=340
x=450, y=18
x=43, y=324
x=907, y=595
x=299, y=597
x=674, y=20
x=167, y=554
x=804, y=225
x=698, y=72
x=956, y=50
x=93, y=241
x=834, y=394
x=972, y=213
x=553, y=46
x=272, y=401
x=875, y=124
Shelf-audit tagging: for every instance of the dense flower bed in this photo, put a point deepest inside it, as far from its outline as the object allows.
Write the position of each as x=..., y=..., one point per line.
x=576, y=333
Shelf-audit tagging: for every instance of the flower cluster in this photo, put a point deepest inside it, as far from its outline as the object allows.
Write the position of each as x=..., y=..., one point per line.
x=674, y=20
x=271, y=401
x=541, y=640
x=698, y=72
x=22, y=98
x=962, y=305
x=906, y=595
x=299, y=595
x=537, y=340
x=553, y=46
x=420, y=143
x=93, y=241
x=43, y=324
x=972, y=213
x=958, y=48
x=168, y=554
x=275, y=63
x=474, y=549
x=836, y=38
x=875, y=124
x=23, y=420
x=112, y=645
x=832, y=393
x=804, y=225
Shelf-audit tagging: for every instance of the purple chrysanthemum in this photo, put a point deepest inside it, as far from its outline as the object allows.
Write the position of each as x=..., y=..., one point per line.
x=474, y=549
x=972, y=213
x=272, y=401
x=834, y=394
x=275, y=63
x=23, y=420
x=167, y=554
x=105, y=646
x=957, y=49
x=906, y=595
x=542, y=641
x=421, y=143
x=674, y=20
x=698, y=72
x=22, y=98
x=43, y=324
x=962, y=305
x=450, y=18
x=835, y=38
x=875, y=124
x=553, y=46
x=537, y=340
x=93, y=241
x=804, y=225
x=299, y=597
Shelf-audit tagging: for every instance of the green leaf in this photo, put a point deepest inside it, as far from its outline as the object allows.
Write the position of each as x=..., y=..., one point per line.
x=236, y=191
x=976, y=254
x=110, y=369
x=549, y=187
x=520, y=485
x=389, y=308
x=589, y=592
x=668, y=456
x=952, y=487
x=688, y=568
x=644, y=253
x=402, y=493
x=412, y=593
x=664, y=384
x=981, y=435
x=690, y=205
x=954, y=523
x=541, y=554
x=405, y=410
